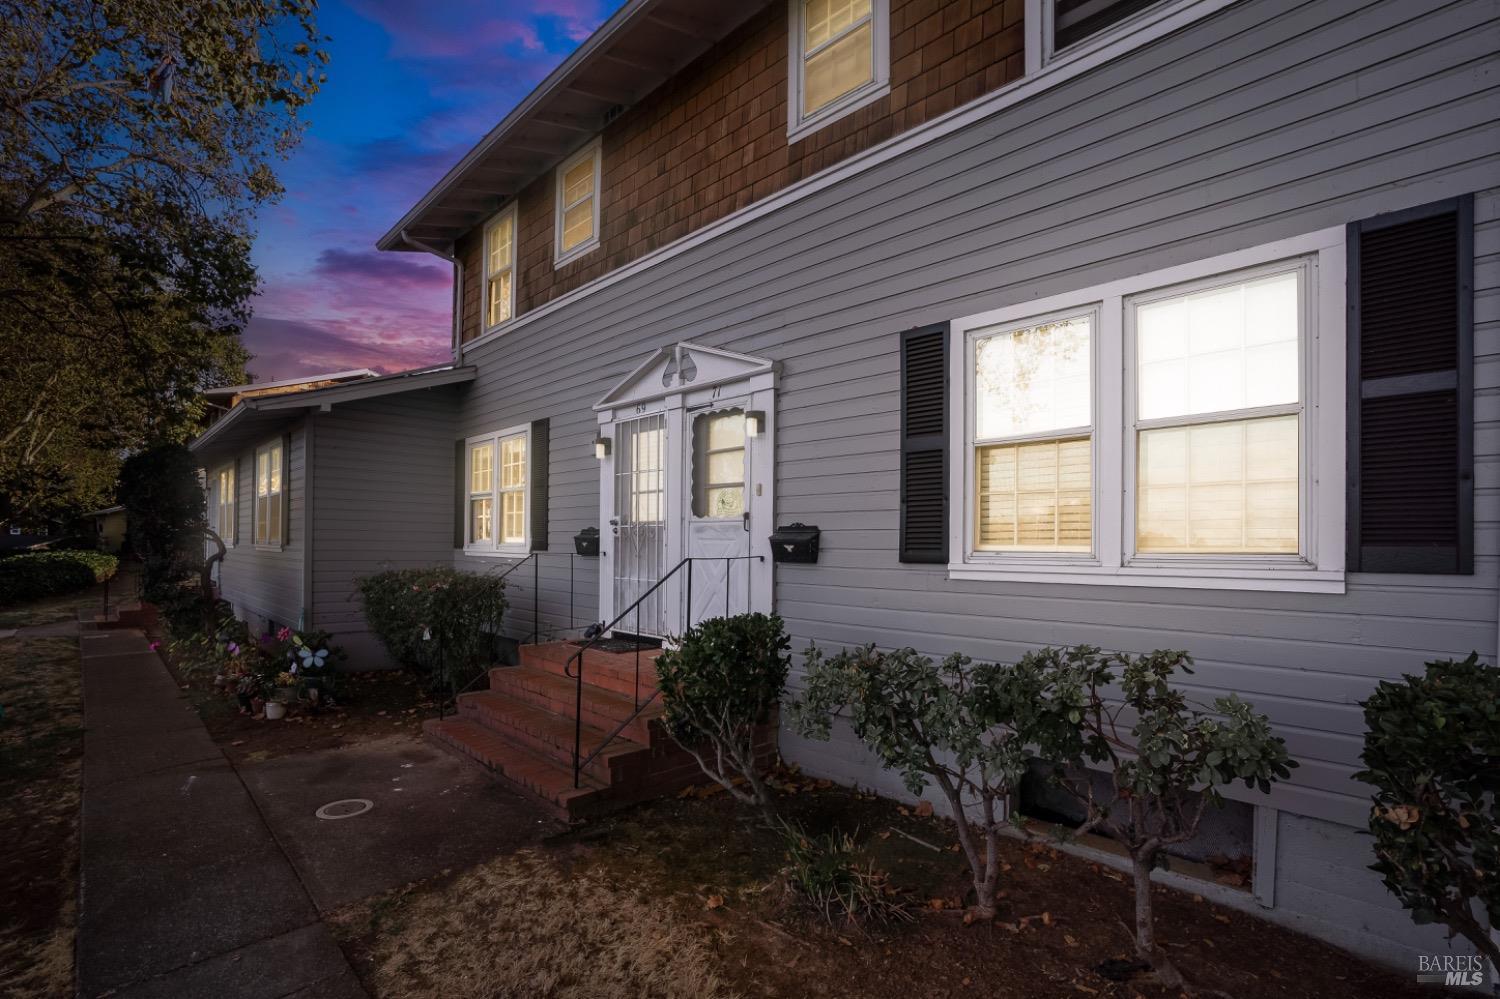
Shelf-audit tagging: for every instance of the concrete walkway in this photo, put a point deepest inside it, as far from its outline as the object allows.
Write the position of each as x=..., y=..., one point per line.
x=185, y=891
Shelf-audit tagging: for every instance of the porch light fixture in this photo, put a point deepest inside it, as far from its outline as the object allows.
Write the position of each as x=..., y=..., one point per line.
x=601, y=448
x=755, y=422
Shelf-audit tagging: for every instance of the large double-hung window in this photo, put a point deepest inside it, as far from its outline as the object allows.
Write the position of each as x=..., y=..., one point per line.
x=1180, y=428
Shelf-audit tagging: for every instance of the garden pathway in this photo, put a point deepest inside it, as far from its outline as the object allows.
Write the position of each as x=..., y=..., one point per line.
x=185, y=891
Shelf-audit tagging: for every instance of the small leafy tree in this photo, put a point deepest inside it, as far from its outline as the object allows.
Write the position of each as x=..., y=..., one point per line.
x=1432, y=750
x=719, y=687
x=439, y=621
x=1165, y=760
x=958, y=724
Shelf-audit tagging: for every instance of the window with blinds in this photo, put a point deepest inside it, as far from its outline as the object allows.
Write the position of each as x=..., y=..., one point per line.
x=1075, y=21
x=840, y=56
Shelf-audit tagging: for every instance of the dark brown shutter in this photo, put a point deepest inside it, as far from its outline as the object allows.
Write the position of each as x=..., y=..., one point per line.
x=924, y=444
x=1411, y=390
x=460, y=492
x=539, y=474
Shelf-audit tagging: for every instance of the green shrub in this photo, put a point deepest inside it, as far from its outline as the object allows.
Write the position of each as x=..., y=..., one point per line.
x=823, y=876
x=1432, y=750
x=32, y=575
x=961, y=725
x=721, y=683
x=1165, y=759
x=439, y=621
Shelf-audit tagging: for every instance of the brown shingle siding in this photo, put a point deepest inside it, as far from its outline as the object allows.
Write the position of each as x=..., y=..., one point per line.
x=712, y=140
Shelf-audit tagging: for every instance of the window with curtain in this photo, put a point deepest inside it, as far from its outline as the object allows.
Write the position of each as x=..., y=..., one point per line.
x=269, y=461
x=1032, y=442
x=224, y=523
x=719, y=464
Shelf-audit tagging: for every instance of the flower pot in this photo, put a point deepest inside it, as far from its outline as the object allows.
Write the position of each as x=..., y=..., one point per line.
x=275, y=710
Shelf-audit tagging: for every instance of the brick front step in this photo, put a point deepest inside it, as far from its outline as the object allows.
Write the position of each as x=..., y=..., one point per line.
x=522, y=731
x=610, y=670
x=545, y=780
x=550, y=735
x=602, y=708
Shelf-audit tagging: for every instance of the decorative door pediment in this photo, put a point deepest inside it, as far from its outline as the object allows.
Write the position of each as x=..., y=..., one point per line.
x=681, y=368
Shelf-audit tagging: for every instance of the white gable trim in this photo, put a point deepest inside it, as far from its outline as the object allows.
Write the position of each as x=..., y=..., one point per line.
x=682, y=368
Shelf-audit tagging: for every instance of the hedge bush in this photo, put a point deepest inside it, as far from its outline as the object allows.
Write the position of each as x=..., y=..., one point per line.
x=32, y=575
x=437, y=621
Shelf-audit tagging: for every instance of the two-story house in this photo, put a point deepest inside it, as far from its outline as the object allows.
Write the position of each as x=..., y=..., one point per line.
x=1138, y=324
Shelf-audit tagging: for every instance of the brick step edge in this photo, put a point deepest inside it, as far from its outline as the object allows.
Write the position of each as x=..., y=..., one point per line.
x=610, y=676
x=602, y=709
x=527, y=725
x=518, y=769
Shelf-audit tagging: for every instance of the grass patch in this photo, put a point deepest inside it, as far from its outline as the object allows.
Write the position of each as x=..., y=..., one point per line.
x=41, y=764
x=522, y=926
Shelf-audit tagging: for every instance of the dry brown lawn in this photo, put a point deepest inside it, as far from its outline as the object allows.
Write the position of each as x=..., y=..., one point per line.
x=520, y=926
x=41, y=766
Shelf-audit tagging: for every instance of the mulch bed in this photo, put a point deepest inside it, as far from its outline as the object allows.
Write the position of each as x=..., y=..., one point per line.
x=1061, y=931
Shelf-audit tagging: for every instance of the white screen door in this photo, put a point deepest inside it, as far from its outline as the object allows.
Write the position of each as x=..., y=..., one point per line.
x=639, y=522
x=716, y=511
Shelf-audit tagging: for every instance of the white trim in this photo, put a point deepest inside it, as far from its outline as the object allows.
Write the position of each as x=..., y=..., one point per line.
x=496, y=547
x=1038, y=31
x=799, y=127
x=953, y=121
x=1320, y=567
x=279, y=495
x=593, y=149
x=232, y=467
x=515, y=271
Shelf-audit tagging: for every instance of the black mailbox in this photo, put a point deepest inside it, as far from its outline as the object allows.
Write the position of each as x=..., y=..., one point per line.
x=795, y=543
x=586, y=541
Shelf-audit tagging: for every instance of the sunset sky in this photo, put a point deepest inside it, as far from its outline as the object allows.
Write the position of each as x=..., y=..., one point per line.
x=412, y=86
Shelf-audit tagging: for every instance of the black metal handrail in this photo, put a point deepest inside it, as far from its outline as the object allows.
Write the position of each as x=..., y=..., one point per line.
x=596, y=634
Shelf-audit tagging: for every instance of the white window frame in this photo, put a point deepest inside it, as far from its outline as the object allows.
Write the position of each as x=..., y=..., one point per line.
x=280, y=497
x=495, y=546
x=489, y=275
x=1038, y=27
x=595, y=150
x=229, y=536
x=1319, y=567
x=800, y=126
x=972, y=336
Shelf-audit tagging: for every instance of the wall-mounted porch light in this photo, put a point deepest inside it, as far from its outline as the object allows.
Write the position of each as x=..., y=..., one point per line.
x=755, y=422
x=601, y=448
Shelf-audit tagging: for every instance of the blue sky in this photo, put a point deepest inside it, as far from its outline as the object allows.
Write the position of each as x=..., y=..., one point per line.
x=411, y=86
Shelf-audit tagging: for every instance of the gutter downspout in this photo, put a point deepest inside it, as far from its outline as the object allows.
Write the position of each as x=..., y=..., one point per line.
x=458, y=284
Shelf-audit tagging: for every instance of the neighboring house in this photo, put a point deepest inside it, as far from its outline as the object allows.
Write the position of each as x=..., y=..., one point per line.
x=16, y=538
x=288, y=475
x=109, y=527
x=1125, y=323
x=223, y=399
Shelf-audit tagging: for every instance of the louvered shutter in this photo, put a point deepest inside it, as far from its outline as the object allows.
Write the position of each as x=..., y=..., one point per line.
x=924, y=444
x=540, y=463
x=1411, y=391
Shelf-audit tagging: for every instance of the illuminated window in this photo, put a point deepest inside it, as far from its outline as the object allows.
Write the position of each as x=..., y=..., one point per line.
x=224, y=522
x=500, y=269
x=840, y=59
x=719, y=464
x=269, y=503
x=578, y=182
x=498, y=473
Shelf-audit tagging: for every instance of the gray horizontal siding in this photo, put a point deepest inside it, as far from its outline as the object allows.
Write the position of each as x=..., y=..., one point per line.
x=263, y=582
x=1265, y=121
x=382, y=498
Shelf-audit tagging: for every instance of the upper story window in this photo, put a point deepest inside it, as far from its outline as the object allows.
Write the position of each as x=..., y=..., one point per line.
x=500, y=268
x=224, y=519
x=499, y=476
x=1063, y=27
x=1182, y=428
x=577, y=212
x=840, y=57
x=270, y=460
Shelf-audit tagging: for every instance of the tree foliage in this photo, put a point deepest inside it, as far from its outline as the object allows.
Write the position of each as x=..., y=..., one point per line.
x=136, y=144
x=168, y=518
x=961, y=725
x=1432, y=750
x=1166, y=761
x=719, y=687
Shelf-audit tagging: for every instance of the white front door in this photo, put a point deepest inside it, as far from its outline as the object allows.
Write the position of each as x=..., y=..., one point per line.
x=717, y=511
x=686, y=493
